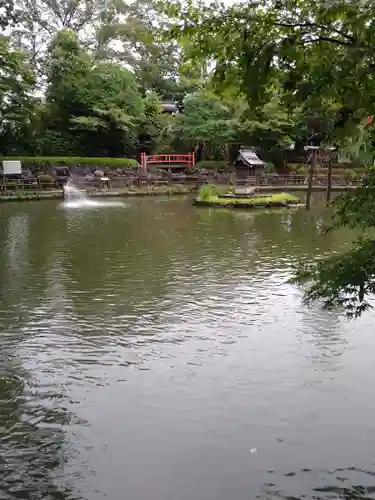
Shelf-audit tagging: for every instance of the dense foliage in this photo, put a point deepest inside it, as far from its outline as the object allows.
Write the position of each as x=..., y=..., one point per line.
x=89, y=78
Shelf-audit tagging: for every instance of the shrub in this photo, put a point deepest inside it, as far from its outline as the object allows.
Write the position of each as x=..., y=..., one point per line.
x=356, y=163
x=206, y=192
x=350, y=175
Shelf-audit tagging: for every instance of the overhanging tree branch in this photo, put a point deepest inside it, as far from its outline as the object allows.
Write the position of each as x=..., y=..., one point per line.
x=317, y=26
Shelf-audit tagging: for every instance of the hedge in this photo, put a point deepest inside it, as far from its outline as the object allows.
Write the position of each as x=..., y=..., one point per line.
x=72, y=161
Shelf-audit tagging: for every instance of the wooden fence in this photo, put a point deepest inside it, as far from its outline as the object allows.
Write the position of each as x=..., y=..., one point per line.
x=118, y=182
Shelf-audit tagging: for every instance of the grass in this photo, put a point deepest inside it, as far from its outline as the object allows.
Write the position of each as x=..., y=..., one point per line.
x=277, y=198
x=209, y=191
x=209, y=196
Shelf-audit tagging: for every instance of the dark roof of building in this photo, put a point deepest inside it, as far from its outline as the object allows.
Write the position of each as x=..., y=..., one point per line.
x=248, y=157
x=169, y=107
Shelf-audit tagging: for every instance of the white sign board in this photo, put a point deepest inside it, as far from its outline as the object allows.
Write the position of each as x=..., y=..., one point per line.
x=11, y=167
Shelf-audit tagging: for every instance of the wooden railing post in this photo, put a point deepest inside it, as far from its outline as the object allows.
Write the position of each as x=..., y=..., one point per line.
x=143, y=160
x=310, y=181
x=193, y=159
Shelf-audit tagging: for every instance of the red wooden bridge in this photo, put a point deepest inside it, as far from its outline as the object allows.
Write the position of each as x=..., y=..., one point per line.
x=168, y=161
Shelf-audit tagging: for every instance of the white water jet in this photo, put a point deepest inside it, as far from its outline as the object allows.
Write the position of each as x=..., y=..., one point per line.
x=75, y=198
x=73, y=193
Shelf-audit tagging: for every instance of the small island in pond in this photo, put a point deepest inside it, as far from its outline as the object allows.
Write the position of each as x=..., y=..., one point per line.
x=209, y=196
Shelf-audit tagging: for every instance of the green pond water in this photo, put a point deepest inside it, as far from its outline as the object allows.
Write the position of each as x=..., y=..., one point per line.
x=153, y=351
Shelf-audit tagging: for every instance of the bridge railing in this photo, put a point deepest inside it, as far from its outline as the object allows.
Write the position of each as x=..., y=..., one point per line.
x=169, y=159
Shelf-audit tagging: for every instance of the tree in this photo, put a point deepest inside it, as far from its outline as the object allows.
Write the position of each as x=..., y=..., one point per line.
x=114, y=112
x=16, y=99
x=205, y=125
x=39, y=21
x=8, y=13
x=320, y=52
x=141, y=42
x=91, y=108
x=270, y=127
x=152, y=134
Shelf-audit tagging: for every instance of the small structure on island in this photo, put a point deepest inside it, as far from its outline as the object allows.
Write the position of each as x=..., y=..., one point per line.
x=248, y=164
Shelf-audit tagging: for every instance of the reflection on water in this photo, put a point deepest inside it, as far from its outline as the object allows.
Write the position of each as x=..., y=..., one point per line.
x=156, y=351
x=90, y=203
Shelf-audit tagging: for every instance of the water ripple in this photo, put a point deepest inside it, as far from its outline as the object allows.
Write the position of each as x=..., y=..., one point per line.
x=157, y=350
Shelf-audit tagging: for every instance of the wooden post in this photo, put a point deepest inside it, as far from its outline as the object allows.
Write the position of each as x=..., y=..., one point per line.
x=329, y=180
x=310, y=180
x=143, y=161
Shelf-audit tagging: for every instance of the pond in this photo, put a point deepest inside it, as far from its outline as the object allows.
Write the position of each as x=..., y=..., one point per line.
x=155, y=351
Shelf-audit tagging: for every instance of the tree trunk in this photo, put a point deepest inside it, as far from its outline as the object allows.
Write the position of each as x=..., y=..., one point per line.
x=203, y=152
x=199, y=152
x=227, y=152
